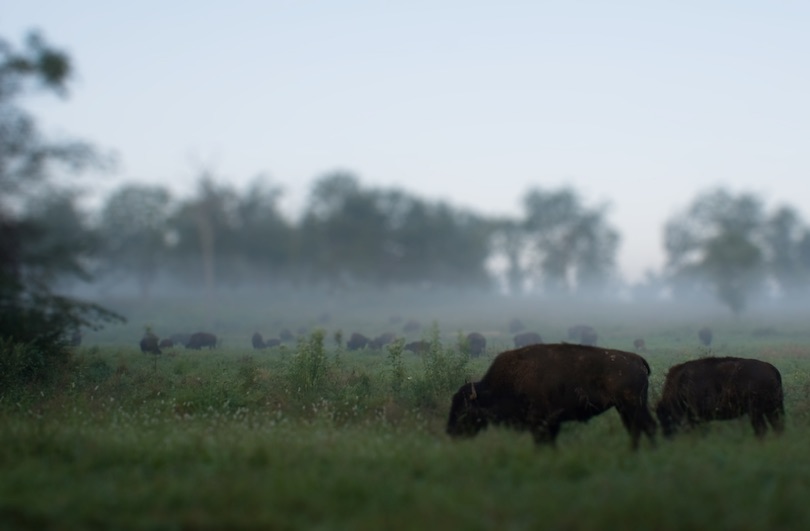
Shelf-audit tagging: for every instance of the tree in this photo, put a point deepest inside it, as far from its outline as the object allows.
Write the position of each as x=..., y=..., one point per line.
x=786, y=245
x=33, y=316
x=134, y=229
x=716, y=245
x=573, y=247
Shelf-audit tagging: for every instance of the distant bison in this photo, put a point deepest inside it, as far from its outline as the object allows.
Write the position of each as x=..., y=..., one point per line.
x=527, y=338
x=705, y=336
x=149, y=343
x=418, y=347
x=202, y=339
x=539, y=387
x=639, y=345
x=357, y=341
x=476, y=343
x=722, y=388
x=258, y=341
x=382, y=340
x=583, y=334
x=166, y=343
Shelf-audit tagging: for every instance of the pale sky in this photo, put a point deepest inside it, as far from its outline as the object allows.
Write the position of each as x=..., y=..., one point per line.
x=642, y=104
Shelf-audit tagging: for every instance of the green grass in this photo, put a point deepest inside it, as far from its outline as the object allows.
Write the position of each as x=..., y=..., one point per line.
x=312, y=437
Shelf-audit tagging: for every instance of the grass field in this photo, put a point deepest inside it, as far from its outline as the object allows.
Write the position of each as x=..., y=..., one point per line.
x=311, y=436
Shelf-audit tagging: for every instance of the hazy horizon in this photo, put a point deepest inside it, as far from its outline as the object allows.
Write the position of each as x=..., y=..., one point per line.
x=635, y=105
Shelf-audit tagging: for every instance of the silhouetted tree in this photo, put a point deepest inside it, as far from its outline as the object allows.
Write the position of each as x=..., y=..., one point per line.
x=716, y=245
x=35, y=245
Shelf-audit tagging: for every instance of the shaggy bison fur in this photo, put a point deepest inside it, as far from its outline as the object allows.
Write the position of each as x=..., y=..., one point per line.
x=202, y=339
x=537, y=388
x=527, y=338
x=722, y=388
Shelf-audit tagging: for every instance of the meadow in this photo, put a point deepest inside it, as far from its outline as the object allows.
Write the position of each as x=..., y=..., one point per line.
x=310, y=435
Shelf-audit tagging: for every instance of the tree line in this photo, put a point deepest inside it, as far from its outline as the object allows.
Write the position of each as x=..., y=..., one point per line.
x=349, y=235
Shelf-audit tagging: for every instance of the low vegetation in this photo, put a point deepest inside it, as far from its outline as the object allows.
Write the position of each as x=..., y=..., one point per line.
x=310, y=435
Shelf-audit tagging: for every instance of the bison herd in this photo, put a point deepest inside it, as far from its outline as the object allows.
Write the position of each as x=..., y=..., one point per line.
x=538, y=387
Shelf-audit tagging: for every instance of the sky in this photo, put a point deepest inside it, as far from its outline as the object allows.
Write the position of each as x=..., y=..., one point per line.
x=639, y=105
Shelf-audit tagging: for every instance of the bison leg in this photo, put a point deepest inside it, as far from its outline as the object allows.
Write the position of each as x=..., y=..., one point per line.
x=777, y=420
x=758, y=422
x=636, y=421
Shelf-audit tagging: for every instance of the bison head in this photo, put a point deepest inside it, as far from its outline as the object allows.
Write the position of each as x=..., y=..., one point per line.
x=467, y=417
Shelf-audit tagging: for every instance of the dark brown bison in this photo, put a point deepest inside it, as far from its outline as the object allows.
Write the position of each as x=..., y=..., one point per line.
x=418, y=347
x=476, y=344
x=166, y=343
x=516, y=326
x=722, y=388
x=537, y=388
x=527, y=338
x=357, y=341
x=149, y=343
x=381, y=340
x=258, y=341
x=583, y=334
x=202, y=339
x=705, y=336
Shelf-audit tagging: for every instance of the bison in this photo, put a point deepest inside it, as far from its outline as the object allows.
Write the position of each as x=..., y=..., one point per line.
x=527, y=338
x=258, y=341
x=202, y=339
x=357, y=341
x=719, y=389
x=149, y=343
x=381, y=340
x=640, y=345
x=418, y=347
x=537, y=388
x=476, y=344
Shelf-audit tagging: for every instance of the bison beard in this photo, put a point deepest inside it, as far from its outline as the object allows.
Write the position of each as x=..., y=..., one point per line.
x=722, y=388
x=537, y=388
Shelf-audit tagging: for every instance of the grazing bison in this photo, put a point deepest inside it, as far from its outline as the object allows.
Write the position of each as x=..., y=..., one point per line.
x=357, y=341
x=537, y=388
x=527, y=338
x=258, y=341
x=382, y=340
x=583, y=334
x=705, y=336
x=166, y=343
x=418, y=347
x=722, y=388
x=476, y=343
x=202, y=339
x=149, y=343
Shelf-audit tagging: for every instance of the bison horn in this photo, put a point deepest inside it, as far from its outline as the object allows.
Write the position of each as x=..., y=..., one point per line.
x=473, y=394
